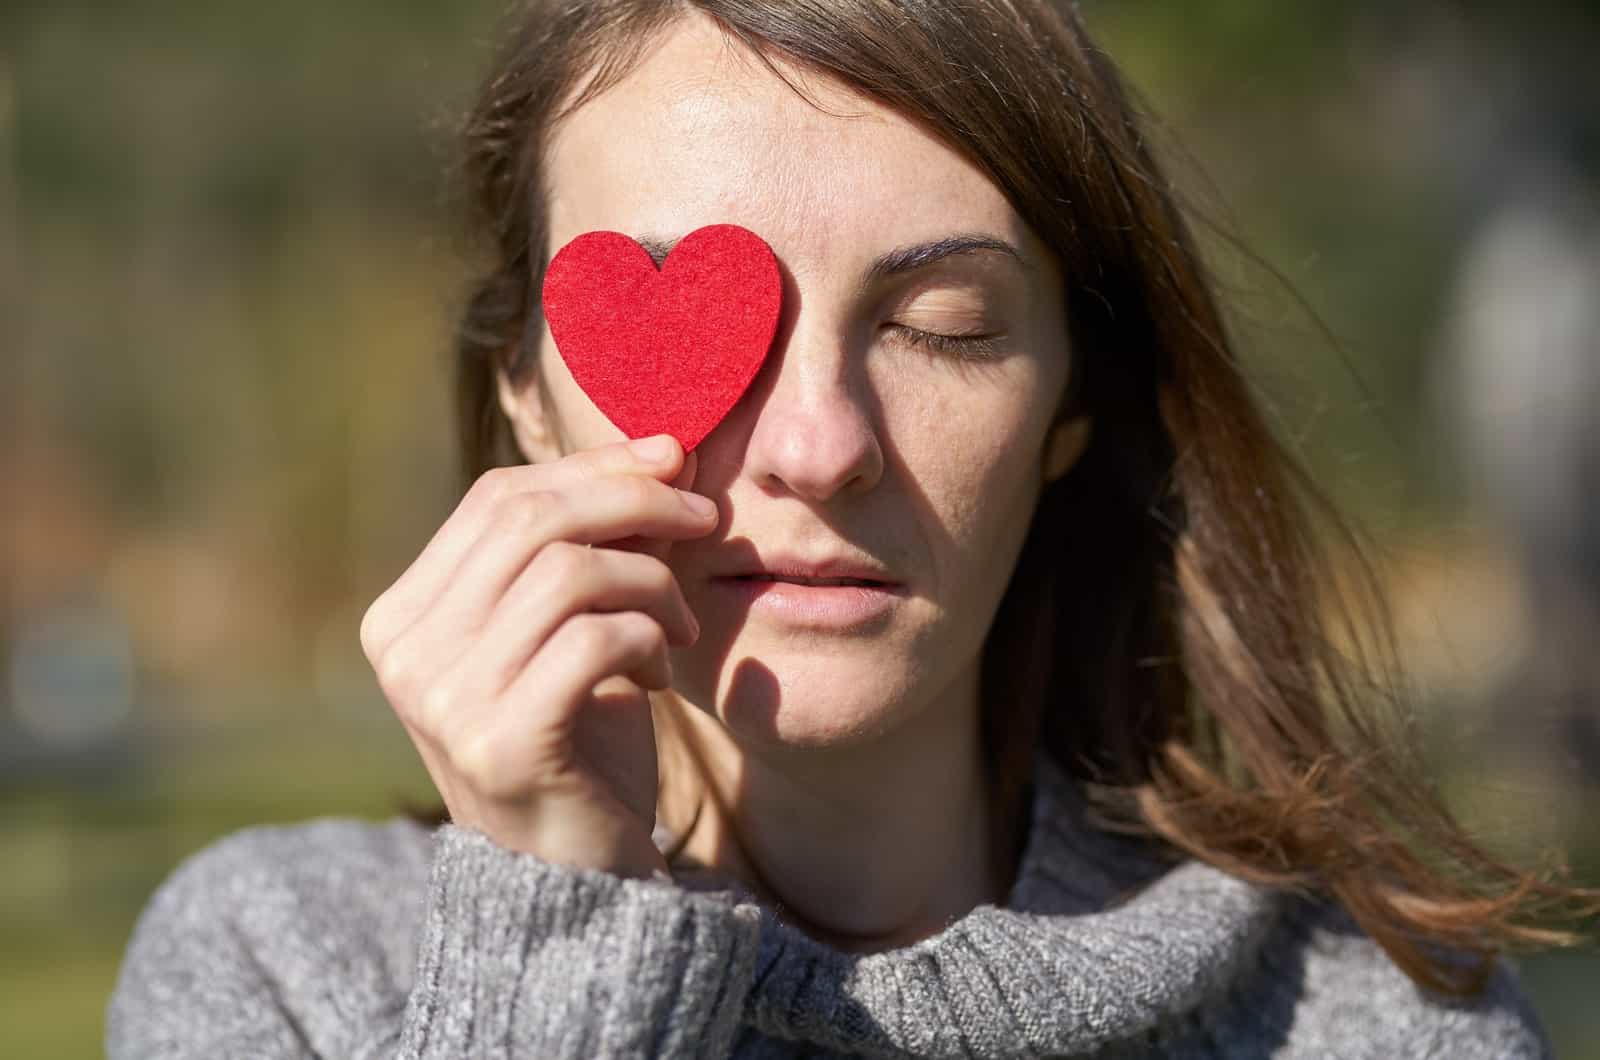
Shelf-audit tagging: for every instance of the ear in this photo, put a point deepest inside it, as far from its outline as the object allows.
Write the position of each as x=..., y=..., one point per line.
x=1063, y=447
x=530, y=420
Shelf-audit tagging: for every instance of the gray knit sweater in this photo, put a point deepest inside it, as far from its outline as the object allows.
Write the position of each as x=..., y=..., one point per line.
x=346, y=939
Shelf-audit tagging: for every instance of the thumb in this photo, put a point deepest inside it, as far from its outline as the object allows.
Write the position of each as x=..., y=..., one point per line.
x=685, y=478
x=655, y=546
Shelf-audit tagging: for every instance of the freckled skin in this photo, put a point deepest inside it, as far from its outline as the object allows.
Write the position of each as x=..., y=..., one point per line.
x=701, y=133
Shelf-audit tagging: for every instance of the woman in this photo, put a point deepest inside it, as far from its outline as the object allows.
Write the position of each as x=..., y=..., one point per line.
x=969, y=691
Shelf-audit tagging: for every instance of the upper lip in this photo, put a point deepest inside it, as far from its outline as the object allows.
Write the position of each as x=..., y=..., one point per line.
x=796, y=568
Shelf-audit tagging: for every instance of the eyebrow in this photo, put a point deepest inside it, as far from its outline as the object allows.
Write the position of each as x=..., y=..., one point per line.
x=896, y=262
x=921, y=255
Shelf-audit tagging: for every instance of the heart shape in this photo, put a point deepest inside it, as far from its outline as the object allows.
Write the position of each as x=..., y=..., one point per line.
x=666, y=351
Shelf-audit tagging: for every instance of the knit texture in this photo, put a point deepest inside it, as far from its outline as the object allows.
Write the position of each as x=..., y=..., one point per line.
x=348, y=939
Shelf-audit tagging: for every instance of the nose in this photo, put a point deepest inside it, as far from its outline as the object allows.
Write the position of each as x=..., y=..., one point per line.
x=815, y=434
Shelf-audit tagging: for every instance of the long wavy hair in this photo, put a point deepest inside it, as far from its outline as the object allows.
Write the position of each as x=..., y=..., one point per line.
x=1180, y=632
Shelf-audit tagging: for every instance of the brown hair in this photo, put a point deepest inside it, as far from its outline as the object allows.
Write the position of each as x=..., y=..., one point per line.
x=1184, y=651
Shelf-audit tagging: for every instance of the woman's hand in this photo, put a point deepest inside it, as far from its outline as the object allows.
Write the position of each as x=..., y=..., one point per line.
x=518, y=657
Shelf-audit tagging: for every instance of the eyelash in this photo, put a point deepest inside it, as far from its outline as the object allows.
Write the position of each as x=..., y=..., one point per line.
x=969, y=347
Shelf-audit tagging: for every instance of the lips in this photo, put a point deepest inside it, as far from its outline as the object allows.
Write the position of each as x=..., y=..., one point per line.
x=831, y=594
x=798, y=580
x=831, y=571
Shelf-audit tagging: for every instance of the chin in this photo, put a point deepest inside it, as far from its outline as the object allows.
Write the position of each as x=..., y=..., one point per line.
x=776, y=700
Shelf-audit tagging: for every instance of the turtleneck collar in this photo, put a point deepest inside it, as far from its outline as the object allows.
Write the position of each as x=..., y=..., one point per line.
x=1097, y=942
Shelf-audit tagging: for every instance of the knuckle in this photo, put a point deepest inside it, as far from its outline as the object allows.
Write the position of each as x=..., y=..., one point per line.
x=642, y=633
x=591, y=464
x=370, y=632
x=434, y=705
x=656, y=637
x=635, y=492
x=394, y=666
x=563, y=564
x=492, y=484
x=588, y=637
x=599, y=641
x=658, y=577
x=523, y=511
x=481, y=762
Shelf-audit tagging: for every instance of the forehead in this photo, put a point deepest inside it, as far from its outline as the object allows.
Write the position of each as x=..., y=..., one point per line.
x=702, y=132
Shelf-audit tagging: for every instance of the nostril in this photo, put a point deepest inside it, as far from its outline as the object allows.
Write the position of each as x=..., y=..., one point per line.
x=815, y=445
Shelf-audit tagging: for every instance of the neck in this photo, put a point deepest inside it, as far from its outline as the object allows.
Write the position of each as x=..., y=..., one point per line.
x=867, y=847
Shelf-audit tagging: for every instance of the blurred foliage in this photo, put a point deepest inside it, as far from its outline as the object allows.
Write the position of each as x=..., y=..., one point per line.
x=229, y=255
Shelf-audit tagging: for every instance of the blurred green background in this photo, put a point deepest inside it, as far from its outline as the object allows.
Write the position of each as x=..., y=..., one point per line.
x=229, y=255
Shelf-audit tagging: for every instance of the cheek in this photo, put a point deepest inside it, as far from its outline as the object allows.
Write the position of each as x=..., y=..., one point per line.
x=969, y=439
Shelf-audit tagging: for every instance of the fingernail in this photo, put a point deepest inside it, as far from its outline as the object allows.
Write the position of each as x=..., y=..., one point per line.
x=704, y=507
x=657, y=448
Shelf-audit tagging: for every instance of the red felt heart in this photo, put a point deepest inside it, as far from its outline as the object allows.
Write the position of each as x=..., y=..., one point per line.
x=668, y=351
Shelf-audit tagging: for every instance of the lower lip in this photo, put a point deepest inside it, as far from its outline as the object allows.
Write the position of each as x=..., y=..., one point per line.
x=816, y=606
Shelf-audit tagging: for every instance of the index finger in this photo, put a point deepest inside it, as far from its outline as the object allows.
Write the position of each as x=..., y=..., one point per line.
x=659, y=456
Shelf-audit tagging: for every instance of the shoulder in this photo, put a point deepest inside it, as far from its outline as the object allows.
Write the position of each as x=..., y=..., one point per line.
x=292, y=872
x=255, y=918
x=326, y=849
x=1355, y=1001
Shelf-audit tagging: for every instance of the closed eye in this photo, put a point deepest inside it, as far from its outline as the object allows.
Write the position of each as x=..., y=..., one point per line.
x=976, y=346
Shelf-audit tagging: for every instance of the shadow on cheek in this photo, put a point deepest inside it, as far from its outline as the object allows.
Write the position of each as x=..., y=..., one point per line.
x=754, y=697
x=752, y=700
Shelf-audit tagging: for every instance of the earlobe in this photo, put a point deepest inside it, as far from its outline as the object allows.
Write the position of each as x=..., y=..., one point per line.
x=529, y=421
x=1064, y=446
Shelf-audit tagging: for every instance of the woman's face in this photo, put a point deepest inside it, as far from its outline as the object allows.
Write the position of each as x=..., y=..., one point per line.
x=863, y=446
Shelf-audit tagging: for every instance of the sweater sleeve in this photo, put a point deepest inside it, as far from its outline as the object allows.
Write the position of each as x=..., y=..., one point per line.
x=522, y=958
x=1353, y=1001
x=333, y=940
